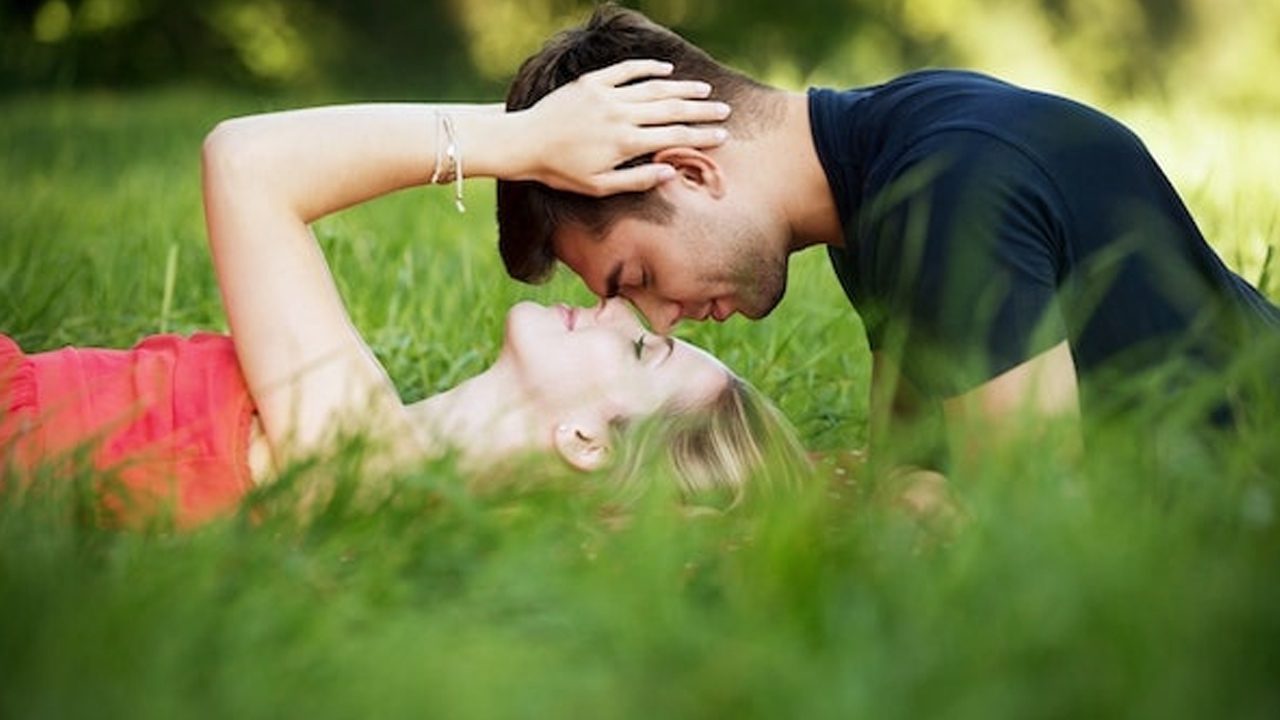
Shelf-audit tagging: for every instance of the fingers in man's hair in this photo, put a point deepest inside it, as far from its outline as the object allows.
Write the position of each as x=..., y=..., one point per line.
x=635, y=179
x=666, y=136
x=665, y=112
x=664, y=89
x=629, y=70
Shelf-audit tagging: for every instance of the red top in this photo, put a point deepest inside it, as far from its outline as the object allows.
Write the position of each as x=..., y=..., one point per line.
x=167, y=421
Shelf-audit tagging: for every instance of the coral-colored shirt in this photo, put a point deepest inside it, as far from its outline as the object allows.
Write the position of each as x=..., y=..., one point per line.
x=165, y=424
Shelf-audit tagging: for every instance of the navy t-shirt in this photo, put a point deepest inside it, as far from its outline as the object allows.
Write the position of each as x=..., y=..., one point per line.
x=985, y=223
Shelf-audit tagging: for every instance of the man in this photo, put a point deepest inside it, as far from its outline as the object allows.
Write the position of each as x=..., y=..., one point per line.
x=1000, y=244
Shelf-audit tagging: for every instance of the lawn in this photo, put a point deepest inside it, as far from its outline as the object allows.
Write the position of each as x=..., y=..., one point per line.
x=1127, y=584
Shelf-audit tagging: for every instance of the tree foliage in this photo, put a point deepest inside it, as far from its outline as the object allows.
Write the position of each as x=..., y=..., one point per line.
x=1112, y=47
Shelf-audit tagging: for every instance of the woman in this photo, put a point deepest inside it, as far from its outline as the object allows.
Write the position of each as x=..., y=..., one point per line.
x=197, y=422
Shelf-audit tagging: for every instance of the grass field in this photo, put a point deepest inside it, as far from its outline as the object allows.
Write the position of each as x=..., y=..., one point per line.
x=1124, y=585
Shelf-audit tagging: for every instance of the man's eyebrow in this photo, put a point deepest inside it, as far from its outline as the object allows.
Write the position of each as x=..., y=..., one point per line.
x=611, y=282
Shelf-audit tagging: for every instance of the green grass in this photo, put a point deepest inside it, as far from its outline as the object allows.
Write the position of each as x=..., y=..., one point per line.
x=1130, y=584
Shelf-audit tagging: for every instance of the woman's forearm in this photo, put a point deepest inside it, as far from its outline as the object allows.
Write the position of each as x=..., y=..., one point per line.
x=319, y=160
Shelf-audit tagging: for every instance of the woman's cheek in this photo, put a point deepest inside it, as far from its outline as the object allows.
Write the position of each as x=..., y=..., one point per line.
x=593, y=365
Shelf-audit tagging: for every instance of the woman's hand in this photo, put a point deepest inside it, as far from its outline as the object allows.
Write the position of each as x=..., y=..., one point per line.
x=579, y=134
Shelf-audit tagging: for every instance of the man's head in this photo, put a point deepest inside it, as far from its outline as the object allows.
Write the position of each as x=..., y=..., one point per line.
x=701, y=245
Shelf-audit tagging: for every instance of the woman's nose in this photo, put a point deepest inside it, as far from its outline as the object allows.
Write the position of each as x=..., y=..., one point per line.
x=614, y=311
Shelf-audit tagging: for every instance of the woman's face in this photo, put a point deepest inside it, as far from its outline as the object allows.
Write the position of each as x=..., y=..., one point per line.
x=601, y=363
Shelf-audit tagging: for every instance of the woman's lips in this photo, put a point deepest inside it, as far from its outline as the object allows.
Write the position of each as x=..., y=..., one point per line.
x=570, y=316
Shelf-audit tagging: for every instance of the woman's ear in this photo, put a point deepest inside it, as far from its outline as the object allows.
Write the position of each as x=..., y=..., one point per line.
x=695, y=169
x=585, y=444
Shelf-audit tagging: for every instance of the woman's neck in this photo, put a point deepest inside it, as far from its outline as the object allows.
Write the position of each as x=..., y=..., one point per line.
x=485, y=418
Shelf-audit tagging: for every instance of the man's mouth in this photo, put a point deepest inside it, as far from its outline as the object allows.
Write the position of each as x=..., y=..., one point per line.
x=719, y=311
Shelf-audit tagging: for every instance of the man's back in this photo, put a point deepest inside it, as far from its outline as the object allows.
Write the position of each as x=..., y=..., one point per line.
x=985, y=223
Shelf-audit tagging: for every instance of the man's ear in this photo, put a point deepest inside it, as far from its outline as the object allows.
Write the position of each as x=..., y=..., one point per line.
x=584, y=443
x=694, y=168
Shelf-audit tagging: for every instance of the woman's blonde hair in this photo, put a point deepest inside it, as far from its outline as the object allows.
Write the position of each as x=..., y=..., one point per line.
x=737, y=445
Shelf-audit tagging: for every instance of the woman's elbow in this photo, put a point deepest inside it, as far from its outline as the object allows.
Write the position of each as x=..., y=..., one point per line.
x=227, y=150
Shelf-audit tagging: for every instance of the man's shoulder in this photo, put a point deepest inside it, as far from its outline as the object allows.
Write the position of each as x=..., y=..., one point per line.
x=927, y=81
x=867, y=136
x=874, y=119
x=945, y=77
x=928, y=111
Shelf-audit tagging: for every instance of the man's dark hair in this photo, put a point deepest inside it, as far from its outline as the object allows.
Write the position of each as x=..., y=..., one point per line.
x=529, y=212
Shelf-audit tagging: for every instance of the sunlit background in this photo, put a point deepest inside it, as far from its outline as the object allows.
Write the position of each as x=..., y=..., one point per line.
x=1196, y=78
x=1217, y=51
x=1214, y=51
x=1136, y=585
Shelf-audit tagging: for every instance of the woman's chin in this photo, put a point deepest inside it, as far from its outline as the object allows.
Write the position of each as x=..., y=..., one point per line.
x=522, y=316
x=525, y=321
x=524, y=332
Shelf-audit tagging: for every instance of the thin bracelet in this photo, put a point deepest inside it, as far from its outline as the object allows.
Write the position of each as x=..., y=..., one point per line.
x=454, y=151
x=436, y=173
x=451, y=151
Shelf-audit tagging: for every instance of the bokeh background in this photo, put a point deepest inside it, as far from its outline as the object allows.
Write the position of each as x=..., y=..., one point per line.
x=1204, y=51
x=1196, y=78
x=1130, y=584
x=108, y=100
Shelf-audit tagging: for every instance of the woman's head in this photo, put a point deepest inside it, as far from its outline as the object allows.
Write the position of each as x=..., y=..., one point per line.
x=584, y=371
x=603, y=393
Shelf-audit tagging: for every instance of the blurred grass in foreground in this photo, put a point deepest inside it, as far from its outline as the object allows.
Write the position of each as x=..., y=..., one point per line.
x=1136, y=584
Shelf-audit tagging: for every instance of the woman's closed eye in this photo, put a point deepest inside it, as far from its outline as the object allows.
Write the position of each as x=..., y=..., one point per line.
x=653, y=350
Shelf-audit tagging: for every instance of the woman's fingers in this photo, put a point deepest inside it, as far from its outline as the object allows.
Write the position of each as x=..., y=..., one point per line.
x=586, y=128
x=653, y=139
x=628, y=70
x=666, y=112
x=633, y=179
x=650, y=90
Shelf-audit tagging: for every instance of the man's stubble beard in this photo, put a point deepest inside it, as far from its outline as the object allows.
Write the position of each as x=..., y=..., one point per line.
x=759, y=276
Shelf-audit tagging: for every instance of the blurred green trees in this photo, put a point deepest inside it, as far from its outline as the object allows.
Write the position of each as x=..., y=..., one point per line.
x=1221, y=49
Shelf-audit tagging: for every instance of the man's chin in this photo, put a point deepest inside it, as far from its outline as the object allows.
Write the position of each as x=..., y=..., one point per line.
x=761, y=310
x=757, y=314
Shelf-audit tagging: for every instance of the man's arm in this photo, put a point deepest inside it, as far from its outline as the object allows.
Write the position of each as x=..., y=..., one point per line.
x=894, y=403
x=974, y=258
x=1020, y=402
x=898, y=407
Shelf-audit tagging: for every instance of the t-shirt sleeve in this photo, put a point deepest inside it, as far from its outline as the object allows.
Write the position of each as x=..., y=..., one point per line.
x=966, y=236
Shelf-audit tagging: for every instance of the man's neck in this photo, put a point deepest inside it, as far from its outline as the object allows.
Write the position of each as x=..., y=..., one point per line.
x=796, y=186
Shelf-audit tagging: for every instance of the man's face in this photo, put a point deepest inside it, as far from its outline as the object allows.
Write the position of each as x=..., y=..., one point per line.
x=708, y=262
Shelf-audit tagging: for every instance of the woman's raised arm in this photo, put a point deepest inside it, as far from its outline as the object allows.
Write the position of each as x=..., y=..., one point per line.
x=266, y=177
x=320, y=160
